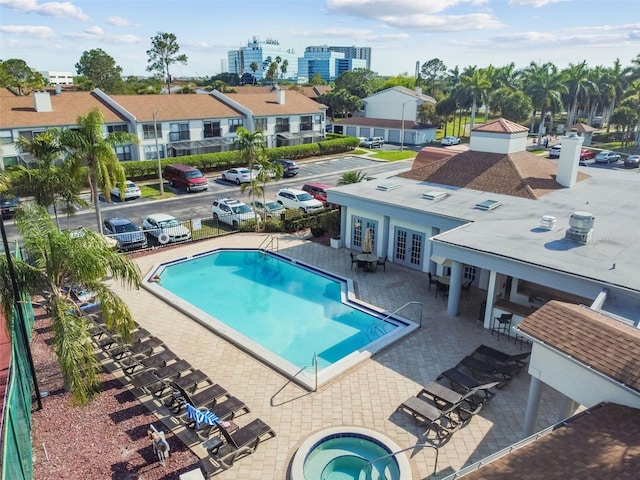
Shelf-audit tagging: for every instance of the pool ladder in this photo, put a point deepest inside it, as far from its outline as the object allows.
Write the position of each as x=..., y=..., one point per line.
x=368, y=467
x=270, y=243
x=378, y=330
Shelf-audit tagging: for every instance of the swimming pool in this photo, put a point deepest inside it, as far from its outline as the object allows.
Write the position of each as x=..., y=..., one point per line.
x=285, y=312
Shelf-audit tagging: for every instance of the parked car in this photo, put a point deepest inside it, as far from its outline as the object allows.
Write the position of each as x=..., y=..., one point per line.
x=298, y=199
x=131, y=191
x=237, y=175
x=165, y=228
x=371, y=142
x=607, y=157
x=232, y=212
x=449, y=140
x=586, y=154
x=271, y=209
x=9, y=205
x=289, y=167
x=184, y=176
x=258, y=168
x=125, y=233
x=632, y=161
x=317, y=190
x=554, y=152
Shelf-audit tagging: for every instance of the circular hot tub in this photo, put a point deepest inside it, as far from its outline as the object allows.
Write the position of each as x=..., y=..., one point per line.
x=348, y=453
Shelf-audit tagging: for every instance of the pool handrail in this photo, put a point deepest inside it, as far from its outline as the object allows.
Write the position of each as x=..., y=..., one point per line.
x=413, y=302
x=269, y=242
x=368, y=466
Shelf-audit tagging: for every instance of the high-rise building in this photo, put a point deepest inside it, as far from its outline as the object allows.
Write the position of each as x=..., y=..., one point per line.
x=263, y=53
x=360, y=53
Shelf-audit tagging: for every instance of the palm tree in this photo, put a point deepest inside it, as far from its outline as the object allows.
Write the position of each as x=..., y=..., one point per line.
x=268, y=172
x=251, y=147
x=475, y=83
x=490, y=74
x=60, y=263
x=254, y=67
x=52, y=179
x=545, y=85
x=617, y=80
x=88, y=146
x=578, y=84
x=354, y=176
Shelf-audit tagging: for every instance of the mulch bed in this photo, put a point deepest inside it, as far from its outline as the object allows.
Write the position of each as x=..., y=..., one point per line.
x=106, y=439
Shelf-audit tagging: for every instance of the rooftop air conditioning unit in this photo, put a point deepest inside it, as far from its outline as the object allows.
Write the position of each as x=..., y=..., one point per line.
x=580, y=227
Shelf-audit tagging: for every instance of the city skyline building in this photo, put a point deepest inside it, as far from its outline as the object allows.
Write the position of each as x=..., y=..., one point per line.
x=263, y=53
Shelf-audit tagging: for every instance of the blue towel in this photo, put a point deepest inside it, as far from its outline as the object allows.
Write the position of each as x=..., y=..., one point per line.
x=200, y=416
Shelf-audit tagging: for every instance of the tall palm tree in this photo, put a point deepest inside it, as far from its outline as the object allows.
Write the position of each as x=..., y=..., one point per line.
x=268, y=172
x=617, y=79
x=490, y=74
x=88, y=146
x=475, y=83
x=545, y=85
x=52, y=179
x=251, y=147
x=60, y=263
x=578, y=84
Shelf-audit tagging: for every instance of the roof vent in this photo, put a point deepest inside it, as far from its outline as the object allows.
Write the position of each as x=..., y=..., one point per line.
x=488, y=204
x=580, y=227
x=42, y=102
x=547, y=222
x=435, y=195
x=385, y=187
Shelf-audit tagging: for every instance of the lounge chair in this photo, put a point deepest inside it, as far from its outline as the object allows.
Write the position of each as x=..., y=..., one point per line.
x=443, y=422
x=228, y=448
x=225, y=411
x=133, y=364
x=496, y=372
x=469, y=402
x=464, y=382
x=155, y=380
x=493, y=355
x=208, y=396
x=143, y=347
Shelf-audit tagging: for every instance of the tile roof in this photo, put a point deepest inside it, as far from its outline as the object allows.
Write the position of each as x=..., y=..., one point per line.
x=265, y=104
x=500, y=125
x=601, y=442
x=582, y=128
x=174, y=107
x=380, y=122
x=605, y=345
x=19, y=111
x=520, y=174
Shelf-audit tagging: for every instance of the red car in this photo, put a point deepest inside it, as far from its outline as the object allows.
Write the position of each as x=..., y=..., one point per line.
x=586, y=155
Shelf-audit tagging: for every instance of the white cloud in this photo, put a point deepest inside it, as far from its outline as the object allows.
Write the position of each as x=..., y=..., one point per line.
x=49, y=9
x=445, y=23
x=28, y=30
x=119, y=21
x=532, y=3
x=113, y=39
x=95, y=30
x=375, y=9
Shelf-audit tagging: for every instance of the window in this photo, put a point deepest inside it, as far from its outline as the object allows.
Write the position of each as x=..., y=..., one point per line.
x=262, y=124
x=117, y=128
x=317, y=119
x=409, y=247
x=469, y=273
x=124, y=153
x=178, y=132
x=282, y=124
x=306, y=122
x=150, y=152
x=148, y=130
x=234, y=123
x=29, y=134
x=212, y=129
x=6, y=137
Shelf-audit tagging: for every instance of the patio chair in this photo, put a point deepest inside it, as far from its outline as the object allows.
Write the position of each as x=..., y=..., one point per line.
x=226, y=411
x=133, y=364
x=143, y=348
x=442, y=289
x=208, y=396
x=443, y=422
x=492, y=355
x=466, y=290
x=363, y=266
x=470, y=401
x=496, y=372
x=354, y=261
x=155, y=380
x=433, y=280
x=225, y=450
x=465, y=383
x=382, y=262
x=502, y=325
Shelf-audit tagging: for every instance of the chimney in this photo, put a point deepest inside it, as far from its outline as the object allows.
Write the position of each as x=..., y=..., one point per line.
x=280, y=96
x=569, y=159
x=42, y=102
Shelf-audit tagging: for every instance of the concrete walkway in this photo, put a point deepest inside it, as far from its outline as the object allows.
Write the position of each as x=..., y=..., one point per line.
x=366, y=396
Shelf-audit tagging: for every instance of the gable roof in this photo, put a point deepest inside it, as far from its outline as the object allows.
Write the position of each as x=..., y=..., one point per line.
x=582, y=128
x=601, y=442
x=500, y=125
x=19, y=111
x=265, y=104
x=519, y=174
x=405, y=91
x=174, y=107
x=381, y=123
x=605, y=345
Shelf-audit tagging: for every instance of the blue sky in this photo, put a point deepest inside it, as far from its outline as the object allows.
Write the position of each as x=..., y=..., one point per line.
x=52, y=35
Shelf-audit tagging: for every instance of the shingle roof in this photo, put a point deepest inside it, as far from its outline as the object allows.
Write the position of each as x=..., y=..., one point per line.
x=605, y=345
x=582, y=128
x=500, y=125
x=265, y=104
x=174, y=107
x=602, y=442
x=19, y=111
x=380, y=123
x=520, y=174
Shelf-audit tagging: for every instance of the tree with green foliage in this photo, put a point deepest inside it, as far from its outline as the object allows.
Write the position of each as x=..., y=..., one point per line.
x=446, y=110
x=353, y=176
x=163, y=53
x=18, y=75
x=59, y=264
x=545, y=85
x=432, y=74
x=625, y=119
x=475, y=83
x=52, y=179
x=254, y=67
x=101, y=71
x=356, y=82
x=87, y=146
x=341, y=102
x=272, y=72
x=284, y=67
x=513, y=105
x=317, y=80
x=402, y=80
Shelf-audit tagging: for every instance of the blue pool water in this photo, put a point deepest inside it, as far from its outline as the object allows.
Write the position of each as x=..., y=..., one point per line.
x=291, y=310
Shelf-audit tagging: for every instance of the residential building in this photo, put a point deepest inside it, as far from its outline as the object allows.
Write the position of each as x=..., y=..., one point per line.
x=393, y=115
x=58, y=78
x=263, y=53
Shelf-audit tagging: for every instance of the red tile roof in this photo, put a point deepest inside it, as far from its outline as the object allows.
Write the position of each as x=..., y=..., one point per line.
x=582, y=128
x=500, y=125
x=174, y=107
x=265, y=104
x=378, y=122
x=605, y=345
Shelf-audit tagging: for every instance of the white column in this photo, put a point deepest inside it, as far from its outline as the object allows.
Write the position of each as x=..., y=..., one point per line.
x=455, y=286
x=533, y=405
x=491, y=295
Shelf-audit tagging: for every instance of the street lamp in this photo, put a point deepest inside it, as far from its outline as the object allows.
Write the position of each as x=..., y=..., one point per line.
x=402, y=131
x=155, y=134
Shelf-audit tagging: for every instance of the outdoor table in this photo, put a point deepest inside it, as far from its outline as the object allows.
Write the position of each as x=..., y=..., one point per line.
x=371, y=260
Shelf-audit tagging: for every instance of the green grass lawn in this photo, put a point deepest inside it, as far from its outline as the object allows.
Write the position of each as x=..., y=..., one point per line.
x=153, y=191
x=394, y=155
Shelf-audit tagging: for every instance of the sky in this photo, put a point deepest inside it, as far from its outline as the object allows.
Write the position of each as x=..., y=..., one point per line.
x=51, y=35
